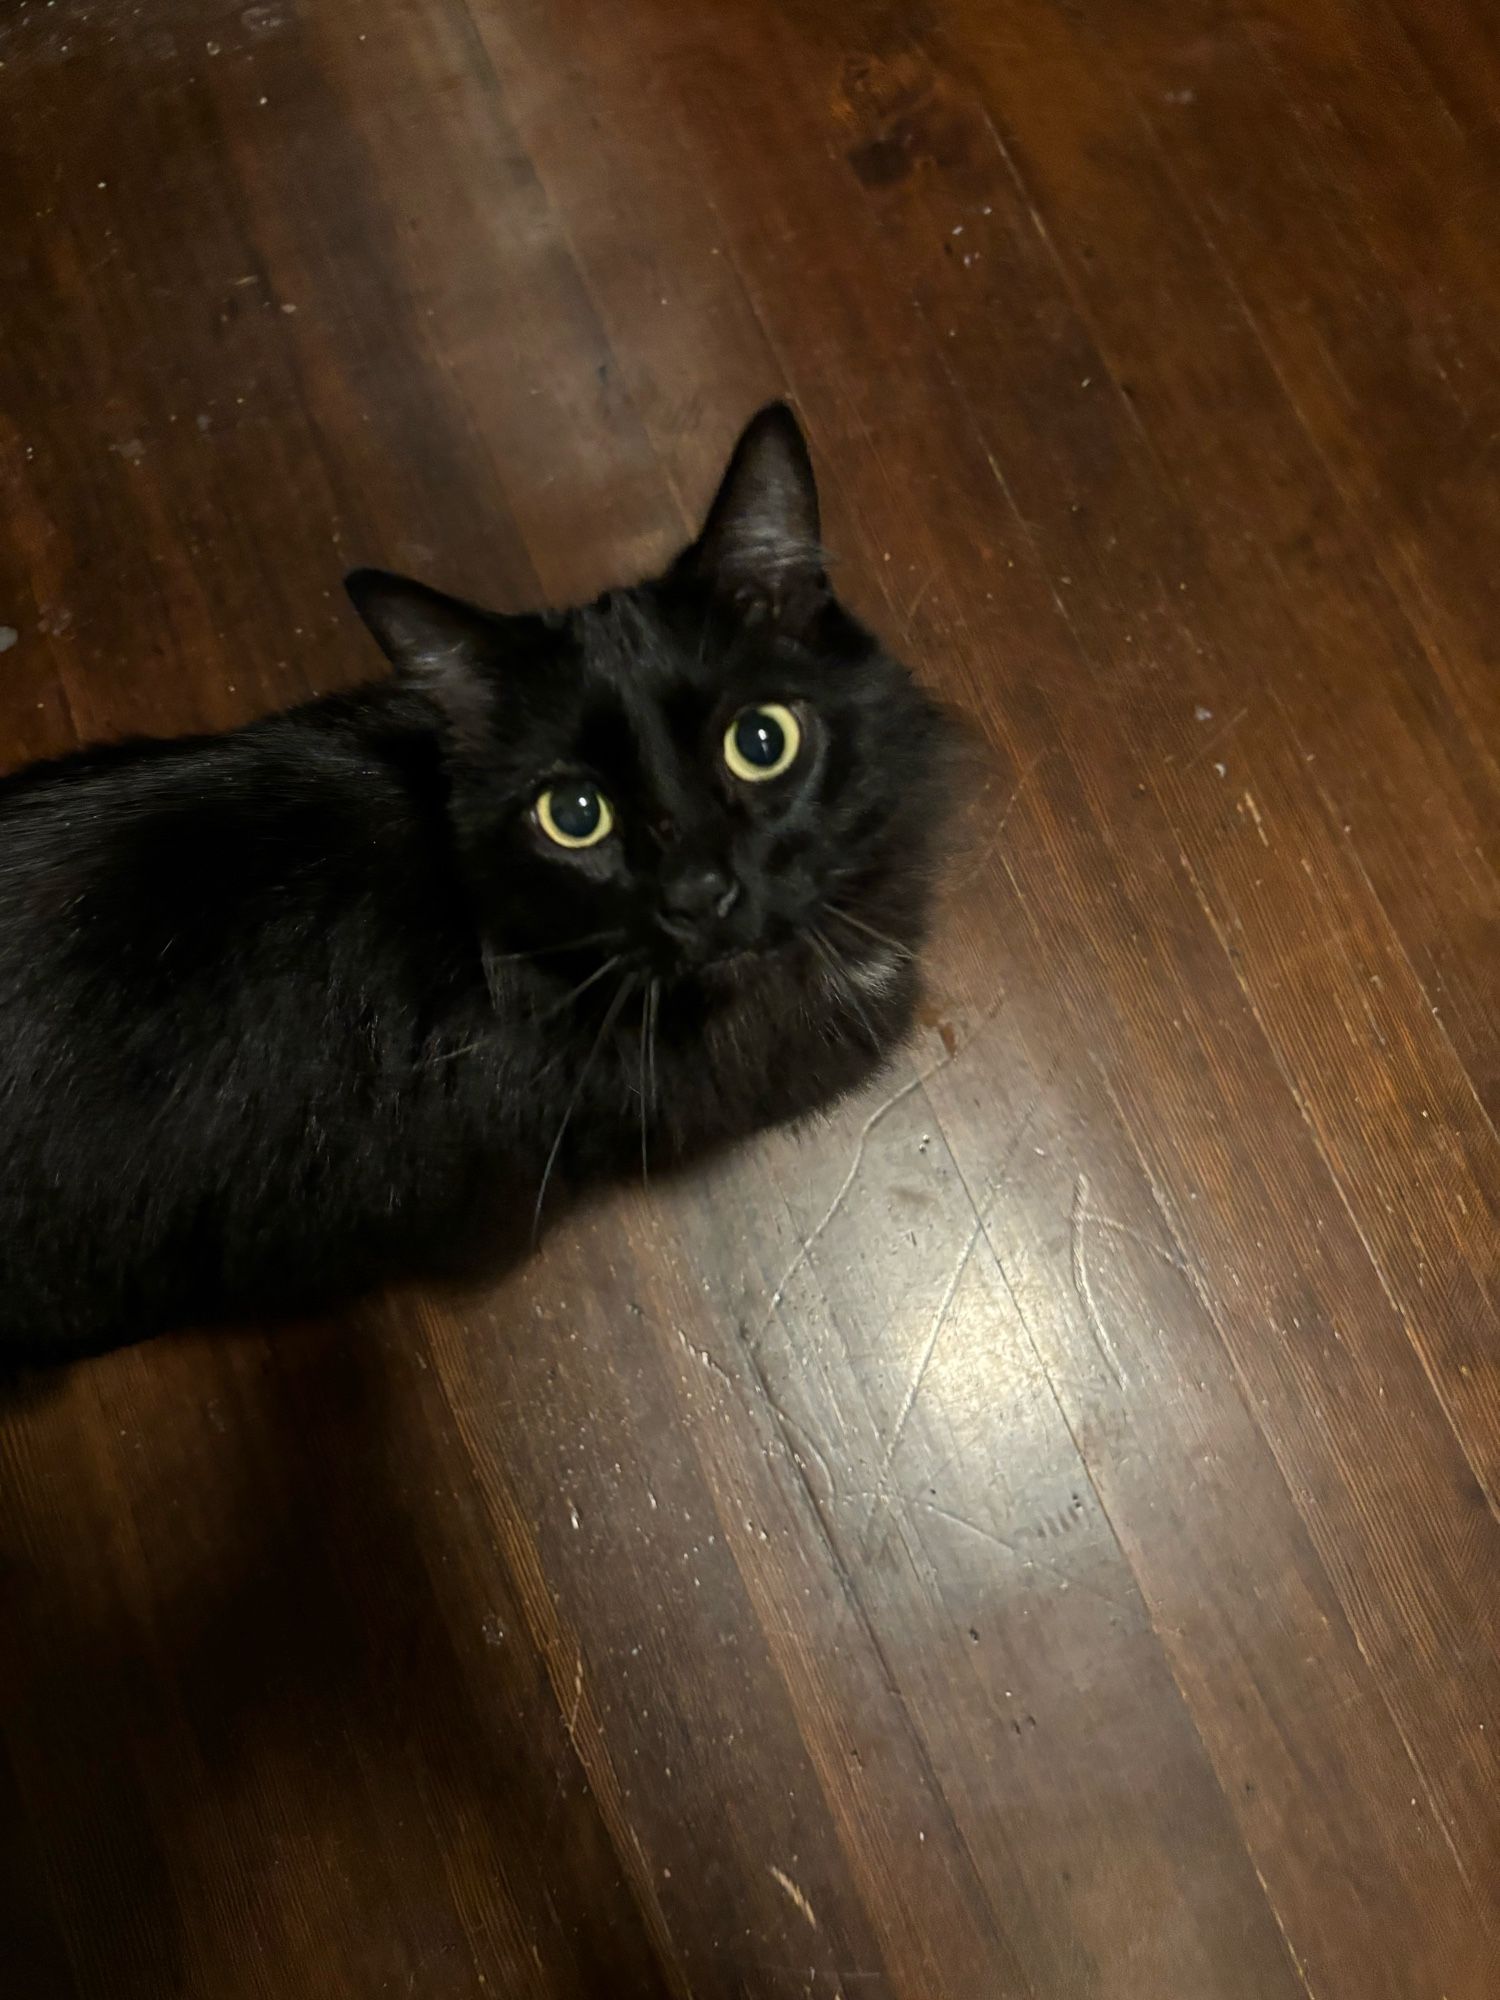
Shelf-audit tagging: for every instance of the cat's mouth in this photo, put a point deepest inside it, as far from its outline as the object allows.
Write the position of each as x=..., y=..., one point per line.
x=725, y=967
x=829, y=942
x=813, y=948
x=727, y=964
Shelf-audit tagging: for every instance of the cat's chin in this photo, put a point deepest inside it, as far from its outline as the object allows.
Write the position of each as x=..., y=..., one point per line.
x=730, y=969
x=871, y=973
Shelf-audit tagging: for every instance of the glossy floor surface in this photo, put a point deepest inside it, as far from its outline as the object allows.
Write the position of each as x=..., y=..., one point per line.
x=1036, y=1534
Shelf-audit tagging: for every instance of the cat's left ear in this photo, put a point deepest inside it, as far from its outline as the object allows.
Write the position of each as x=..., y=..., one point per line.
x=436, y=642
x=759, y=546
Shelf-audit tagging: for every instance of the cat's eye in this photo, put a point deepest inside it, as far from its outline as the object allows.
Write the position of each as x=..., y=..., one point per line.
x=762, y=742
x=575, y=814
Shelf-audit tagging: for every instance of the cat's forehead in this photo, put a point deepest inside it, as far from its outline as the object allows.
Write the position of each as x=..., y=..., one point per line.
x=641, y=732
x=684, y=654
x=627, y=640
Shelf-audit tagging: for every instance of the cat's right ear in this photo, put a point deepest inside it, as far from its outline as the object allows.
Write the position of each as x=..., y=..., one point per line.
x=759, y=548
x=434, y=641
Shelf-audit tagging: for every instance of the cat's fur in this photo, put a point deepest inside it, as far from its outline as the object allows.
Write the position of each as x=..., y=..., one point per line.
x=289, y=1009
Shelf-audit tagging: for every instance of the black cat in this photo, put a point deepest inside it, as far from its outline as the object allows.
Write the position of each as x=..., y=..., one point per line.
x=327, y=998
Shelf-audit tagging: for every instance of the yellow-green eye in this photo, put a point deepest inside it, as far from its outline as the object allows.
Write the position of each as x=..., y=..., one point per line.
x=575, y=814
x=762, y=742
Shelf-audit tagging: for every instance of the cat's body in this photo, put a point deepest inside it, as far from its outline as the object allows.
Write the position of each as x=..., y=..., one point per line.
x=291, y=1009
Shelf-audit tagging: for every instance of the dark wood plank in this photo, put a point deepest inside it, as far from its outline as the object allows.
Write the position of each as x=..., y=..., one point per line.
x=1035, y=1533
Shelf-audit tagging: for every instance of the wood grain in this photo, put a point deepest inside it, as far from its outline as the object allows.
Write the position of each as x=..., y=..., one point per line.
x=1038, y=1532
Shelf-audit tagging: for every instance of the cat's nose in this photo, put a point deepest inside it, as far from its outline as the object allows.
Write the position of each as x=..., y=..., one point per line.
x=694, y=890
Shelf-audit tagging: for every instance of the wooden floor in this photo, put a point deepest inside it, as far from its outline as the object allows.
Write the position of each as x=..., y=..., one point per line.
x=1036, y=1536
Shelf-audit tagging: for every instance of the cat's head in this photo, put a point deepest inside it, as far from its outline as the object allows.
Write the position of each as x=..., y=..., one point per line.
x=706, y=770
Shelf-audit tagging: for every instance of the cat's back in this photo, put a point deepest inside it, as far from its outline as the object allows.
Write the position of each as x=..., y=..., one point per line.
x=217, y=957
x=138, y=870
x=171, y=910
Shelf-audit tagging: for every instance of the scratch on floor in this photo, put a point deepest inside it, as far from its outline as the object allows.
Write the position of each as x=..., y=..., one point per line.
x=1083, y=1284
x=804, y=1249
x=1108, y=1222
x=571, y=1725
x=570, y=1729
x=939, y=1320
x=1219, y=736
x=1260, y=825
x=802, y=1440
x=1034, y=1561
x=923, y=590
x=701, y=1354
x=914, y=1386
x=784, y=1881
x=1001, y=1176
x=975, y=1528
x=991, y=846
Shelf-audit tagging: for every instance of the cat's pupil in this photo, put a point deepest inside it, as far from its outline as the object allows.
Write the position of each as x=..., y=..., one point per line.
x=575, y=810
x=759, y=738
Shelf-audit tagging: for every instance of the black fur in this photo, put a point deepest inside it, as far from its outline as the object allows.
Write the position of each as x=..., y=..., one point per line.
x=291, y=1009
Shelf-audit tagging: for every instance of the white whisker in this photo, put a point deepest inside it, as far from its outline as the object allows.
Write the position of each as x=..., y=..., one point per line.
x=583, y=986
x=648, y=1072
x=843, y=982
x=844, y=916
x=610, y=1014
